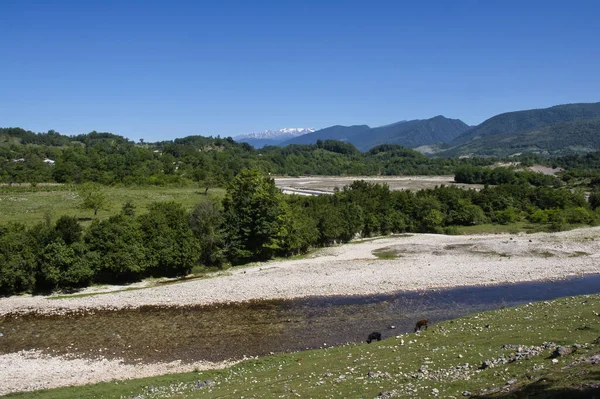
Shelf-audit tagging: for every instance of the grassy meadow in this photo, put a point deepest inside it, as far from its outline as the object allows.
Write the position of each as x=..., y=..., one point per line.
x=444, y=361
x=512, y=228
x=30, y=205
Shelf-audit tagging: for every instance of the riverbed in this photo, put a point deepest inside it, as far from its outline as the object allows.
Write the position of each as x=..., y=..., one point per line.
x=331, y=297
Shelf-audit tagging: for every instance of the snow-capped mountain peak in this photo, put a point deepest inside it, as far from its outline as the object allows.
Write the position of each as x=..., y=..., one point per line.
x=284, y=133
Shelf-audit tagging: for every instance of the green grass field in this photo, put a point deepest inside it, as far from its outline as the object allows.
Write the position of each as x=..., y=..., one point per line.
x=29, y=205
x=512, y=228
x=444, y=361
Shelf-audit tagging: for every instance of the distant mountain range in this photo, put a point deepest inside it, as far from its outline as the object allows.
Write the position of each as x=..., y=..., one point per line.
x=413, y=133
x=341, y=133
x=558, y=130
x=272, y=137
x=406, y=133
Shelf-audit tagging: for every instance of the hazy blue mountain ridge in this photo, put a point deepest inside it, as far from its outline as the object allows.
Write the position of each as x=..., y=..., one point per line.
x=337, y=132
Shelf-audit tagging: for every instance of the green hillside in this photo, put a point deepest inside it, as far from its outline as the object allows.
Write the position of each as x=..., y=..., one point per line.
x=576, y=137
x=520, y=121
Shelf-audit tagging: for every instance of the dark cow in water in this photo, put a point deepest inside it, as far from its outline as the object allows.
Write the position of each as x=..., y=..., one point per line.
x=373, y=336
x=421, y=323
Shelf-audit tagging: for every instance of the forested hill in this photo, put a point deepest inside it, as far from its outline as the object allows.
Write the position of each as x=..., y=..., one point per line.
x=521, y=121
x=338, y=132
x=410, y=134
x=27, y=157
x=581, y=136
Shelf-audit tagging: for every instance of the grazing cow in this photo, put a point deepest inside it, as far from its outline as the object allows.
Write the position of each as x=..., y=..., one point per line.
x=421, y=323
x=374, y=336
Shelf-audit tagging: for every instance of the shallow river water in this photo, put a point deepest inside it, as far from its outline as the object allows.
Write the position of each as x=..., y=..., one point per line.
x=214, y=333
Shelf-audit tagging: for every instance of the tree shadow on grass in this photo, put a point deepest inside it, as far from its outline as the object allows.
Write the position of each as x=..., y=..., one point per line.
x=543, y=389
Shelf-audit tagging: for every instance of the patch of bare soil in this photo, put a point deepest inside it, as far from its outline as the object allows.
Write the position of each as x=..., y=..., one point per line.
x=329, y=183
x=546, y=170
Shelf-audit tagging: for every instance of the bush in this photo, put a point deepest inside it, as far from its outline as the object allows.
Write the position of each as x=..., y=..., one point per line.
x=63, y=266
x=579, y=215
x=539, y=216
x=116, y=249
x=507, y=216
x=467, y=214
x=451, y=230
x=68, y=229
x=17, y=260
x=557, y=220
x=594, y=199
x=171, y=247
x=206, y=220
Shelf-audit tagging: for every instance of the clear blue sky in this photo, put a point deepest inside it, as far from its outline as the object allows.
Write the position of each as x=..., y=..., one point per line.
x=164, y=69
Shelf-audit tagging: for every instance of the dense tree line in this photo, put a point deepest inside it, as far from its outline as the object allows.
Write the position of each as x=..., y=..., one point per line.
x=502, y=175
x=51, y=138
x=582, y=168
x=256, y=222
x=26, y=157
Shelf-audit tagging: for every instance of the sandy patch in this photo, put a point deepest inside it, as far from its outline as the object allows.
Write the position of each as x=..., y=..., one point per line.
x=32, y=370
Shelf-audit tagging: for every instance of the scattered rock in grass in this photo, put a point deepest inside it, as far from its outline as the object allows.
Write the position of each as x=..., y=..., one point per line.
x=378, y=374
x=561, y=351
x=204, y=384
x=486, y=365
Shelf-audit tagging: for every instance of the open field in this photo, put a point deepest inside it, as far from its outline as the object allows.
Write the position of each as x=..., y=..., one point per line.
x=30, y=204
x=412, y=263
x=329, y=183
